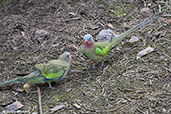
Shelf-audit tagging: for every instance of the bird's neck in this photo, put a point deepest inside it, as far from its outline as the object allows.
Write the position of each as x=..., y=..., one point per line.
x=90, y=45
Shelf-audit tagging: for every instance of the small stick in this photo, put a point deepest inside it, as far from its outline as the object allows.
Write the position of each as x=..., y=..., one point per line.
x=72, y=19
x=39, y=97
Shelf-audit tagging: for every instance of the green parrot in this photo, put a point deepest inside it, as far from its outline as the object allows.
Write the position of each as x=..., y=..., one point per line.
x=52, y=71
x=97, y=51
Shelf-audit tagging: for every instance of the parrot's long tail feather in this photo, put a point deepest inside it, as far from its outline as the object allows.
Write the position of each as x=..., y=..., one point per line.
x=118, y=39
x=16, y=80
x=21, y=79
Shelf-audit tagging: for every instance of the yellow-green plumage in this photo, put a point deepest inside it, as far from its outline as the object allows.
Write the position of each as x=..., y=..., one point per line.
x=53, y=70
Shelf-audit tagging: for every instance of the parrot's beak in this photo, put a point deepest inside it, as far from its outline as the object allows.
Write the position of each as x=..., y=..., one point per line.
x=85, y=42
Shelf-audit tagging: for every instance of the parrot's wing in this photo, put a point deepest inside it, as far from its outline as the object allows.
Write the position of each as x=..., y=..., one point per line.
x=101, y=48
x=53, y=69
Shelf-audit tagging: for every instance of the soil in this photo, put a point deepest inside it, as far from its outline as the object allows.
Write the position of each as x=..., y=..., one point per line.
x=124, y=85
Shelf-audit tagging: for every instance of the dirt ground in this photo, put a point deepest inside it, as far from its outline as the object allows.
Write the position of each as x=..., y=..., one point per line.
x=125, y=85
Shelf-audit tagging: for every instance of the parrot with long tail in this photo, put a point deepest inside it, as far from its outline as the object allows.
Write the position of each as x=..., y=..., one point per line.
x=52, y=71
x=97, y=51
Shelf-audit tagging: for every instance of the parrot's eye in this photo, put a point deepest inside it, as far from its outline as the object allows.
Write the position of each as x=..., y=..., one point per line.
x=67, y=55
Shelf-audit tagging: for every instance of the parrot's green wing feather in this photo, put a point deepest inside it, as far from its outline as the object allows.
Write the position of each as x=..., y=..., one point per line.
x=52, y=75
x=102, y=51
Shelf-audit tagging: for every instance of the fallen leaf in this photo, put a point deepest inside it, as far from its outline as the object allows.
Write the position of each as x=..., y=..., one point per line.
x=134, y=39
x=26, y=87
x=58, y=107
x=14, y=106
x=144, y=52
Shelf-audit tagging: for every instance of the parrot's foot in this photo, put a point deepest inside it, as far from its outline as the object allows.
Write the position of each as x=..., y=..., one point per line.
x=50, y=86
x=93, y=66
x=102, y=64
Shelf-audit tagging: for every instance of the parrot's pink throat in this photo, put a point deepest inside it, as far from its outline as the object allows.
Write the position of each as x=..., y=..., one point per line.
x=89, y=45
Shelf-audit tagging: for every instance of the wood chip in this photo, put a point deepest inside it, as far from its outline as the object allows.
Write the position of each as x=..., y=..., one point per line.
x=14, y=106
x=76, y=106
x=144, y=52
x=58, y=107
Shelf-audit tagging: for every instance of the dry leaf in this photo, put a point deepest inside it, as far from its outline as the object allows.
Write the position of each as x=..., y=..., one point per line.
x=14, y=106
x=58, y=107
x=134, y=39
x=144, y=52
x=26, y=87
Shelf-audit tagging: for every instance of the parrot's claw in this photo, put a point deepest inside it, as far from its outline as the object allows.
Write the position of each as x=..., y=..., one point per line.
x=50, y=86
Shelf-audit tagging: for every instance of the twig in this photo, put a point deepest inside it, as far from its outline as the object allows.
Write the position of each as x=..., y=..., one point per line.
x=40, y=103
x=72, y=19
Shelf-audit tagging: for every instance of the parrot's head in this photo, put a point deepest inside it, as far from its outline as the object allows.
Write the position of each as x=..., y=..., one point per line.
x=66, y=56
x=88, y=40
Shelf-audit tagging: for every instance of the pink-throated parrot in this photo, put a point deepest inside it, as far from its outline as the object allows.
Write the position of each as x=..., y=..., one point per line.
x=96, y=51
x=52, y=71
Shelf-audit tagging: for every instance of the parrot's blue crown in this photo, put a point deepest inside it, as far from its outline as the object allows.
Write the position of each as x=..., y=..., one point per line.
x=87, y=37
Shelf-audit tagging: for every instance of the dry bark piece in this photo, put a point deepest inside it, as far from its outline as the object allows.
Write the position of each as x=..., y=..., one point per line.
x=145, y=10
x=144, y=52
x=14, y=106
x=58, y=107
x=19, y=90
x=134, y=39
x=167, y=20
x=76, y=106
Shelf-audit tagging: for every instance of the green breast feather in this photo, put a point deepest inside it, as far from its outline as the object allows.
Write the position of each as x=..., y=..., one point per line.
x=102, y=52
x=84, y=53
